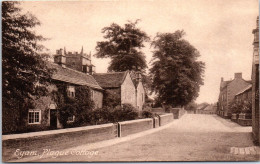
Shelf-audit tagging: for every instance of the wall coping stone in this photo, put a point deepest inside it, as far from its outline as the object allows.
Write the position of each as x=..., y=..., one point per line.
x=133, y=121
x=165, y=115
x=51, y=132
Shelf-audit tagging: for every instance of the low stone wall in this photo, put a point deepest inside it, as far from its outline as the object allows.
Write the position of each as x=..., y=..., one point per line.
x=134, y=126
x=177, y=112
x=156, y=123
x=93, y=133
x=158, y=110
x=165, y=119
x=181, y=113
x=244, y=122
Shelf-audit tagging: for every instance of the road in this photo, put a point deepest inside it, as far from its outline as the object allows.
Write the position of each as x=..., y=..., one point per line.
x=194, y=137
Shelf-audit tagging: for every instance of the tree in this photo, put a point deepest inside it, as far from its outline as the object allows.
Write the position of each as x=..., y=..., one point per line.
x=123, y=46
x=176, y=74
x=25, y=74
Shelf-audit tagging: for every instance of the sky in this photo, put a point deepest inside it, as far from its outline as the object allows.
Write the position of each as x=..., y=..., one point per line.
x=221, y=30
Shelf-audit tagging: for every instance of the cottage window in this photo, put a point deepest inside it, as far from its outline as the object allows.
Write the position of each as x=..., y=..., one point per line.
x=71, y=91
x=71, y=118
x=34, y=116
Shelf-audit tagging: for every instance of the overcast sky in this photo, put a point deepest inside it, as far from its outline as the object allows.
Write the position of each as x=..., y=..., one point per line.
x=220, y=29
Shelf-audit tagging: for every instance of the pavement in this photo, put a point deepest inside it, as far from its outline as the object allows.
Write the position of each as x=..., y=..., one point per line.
x=194, y=137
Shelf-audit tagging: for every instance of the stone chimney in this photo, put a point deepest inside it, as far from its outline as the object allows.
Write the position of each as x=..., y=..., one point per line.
x=238, y=75
x=222, y=79
x=139, y=77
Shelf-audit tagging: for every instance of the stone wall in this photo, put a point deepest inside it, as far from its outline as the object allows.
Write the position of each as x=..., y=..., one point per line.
x=98, y=98
x=165, y=119
x=140, y=96
x=74, y=61
x=156, y=122
x=128, y=94
x=134, y=126
x=255, y=104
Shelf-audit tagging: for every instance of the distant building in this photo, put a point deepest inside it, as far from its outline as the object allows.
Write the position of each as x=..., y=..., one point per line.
x=228, y=90
x=255, y=85
x=201, y=107
x=208, y=109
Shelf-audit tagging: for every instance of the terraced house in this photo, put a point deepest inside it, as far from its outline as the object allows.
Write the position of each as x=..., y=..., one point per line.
x=45, y=115
x=228, y=90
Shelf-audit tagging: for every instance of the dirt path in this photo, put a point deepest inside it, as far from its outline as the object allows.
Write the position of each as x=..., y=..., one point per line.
x=192, y=138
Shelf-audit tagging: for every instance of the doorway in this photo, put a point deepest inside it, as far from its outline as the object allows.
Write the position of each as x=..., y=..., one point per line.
x=53, y=119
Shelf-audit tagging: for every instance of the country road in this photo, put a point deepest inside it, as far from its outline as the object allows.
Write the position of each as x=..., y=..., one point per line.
x=194, y=137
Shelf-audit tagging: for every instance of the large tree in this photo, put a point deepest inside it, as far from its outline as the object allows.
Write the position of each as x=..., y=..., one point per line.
x=176, y=74
x=25, y=74
x=123, y=45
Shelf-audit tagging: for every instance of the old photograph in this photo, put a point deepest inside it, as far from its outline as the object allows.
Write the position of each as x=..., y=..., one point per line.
x=130, y=81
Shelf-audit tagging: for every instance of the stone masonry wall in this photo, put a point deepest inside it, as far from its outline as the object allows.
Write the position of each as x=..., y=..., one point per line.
x=135, y=126
x=140, y=96
x=128, y=94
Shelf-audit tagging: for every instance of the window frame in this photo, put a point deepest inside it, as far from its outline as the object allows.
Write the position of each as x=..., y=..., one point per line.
x=34, y=118
x=73, y=119
x=69, y=92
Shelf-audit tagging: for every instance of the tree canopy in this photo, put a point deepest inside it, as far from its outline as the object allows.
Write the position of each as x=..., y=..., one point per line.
x=176, y=74
x=122, y=45
x=24, y=70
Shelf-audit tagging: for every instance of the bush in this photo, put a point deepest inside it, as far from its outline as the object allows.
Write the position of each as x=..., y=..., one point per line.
x=241, y=106
x=146, y=107
x=147, y=114
x=99, y=116
x=112, y=115
x=236, y=107
x=247, y=107
x=124, y=113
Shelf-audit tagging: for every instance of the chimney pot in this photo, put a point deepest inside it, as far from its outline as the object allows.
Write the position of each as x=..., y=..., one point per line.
x=238, y=75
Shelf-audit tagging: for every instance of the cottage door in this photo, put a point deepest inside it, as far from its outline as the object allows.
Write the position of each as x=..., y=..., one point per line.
x=53, y=119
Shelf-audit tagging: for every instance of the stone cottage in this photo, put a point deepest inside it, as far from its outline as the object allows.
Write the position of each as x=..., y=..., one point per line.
x=71, y=69
x=228, y=90
x=122, y=86
x=45, y=114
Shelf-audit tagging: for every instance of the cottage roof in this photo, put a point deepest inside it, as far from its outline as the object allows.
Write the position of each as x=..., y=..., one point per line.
x=209, y=107
x=202, y=106
x=72, y=76
x=223, y=84
x=244, y=89
x=110, y=80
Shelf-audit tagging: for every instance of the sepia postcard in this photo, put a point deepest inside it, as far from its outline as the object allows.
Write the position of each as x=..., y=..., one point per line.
x=130, y=81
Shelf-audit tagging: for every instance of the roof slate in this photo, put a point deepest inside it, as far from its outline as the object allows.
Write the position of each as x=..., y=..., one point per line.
x=72, y=76
x=244, y=89
x=110, y=80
